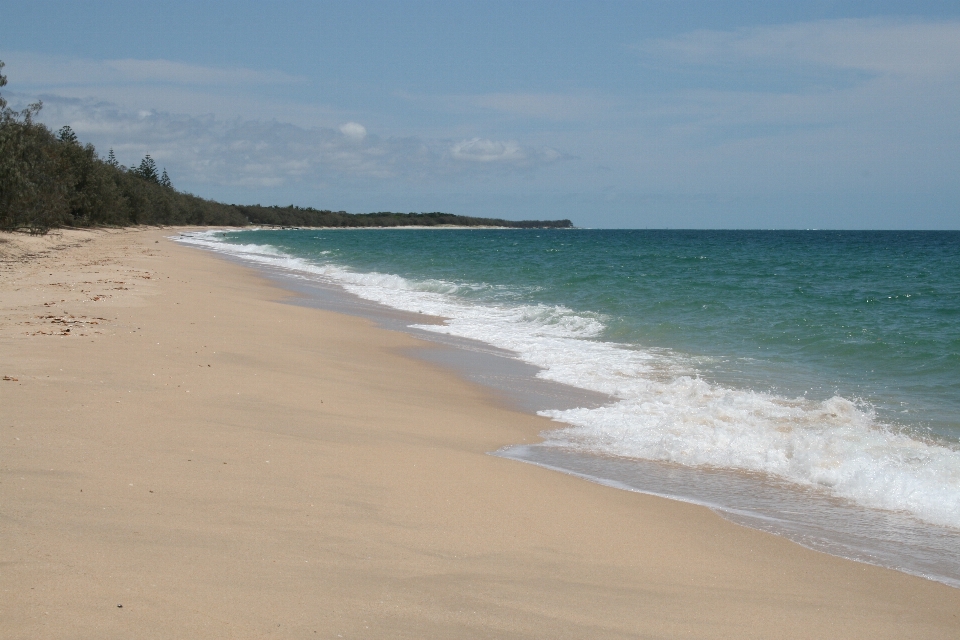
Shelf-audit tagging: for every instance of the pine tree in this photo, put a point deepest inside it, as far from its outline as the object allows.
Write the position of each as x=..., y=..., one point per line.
x=67, y=135
x=112, y=159
x=165, y=180
x=148, y=169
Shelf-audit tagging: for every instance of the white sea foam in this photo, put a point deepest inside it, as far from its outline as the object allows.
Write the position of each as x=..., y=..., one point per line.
x=663, y=410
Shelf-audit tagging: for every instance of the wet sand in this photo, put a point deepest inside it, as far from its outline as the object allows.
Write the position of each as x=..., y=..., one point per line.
x=179, y=441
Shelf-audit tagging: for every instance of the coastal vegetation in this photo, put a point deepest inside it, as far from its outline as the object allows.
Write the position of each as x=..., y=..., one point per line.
x=308, y=217
x=50, y=180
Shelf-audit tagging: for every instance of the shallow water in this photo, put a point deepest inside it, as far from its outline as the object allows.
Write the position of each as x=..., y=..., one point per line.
x=805, y=515
x=804, y=383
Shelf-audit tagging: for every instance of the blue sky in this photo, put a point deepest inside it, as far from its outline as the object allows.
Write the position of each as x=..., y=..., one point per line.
x=614, y=114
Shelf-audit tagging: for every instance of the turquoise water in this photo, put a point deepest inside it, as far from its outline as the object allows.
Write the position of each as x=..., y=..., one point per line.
x=827, y=360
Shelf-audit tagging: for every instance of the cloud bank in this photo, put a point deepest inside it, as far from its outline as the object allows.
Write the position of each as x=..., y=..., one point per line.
x=878, y=46
x=39, y=69
x=267, y=154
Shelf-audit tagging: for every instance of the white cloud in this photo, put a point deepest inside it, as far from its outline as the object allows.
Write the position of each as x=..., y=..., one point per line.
x=507, y=153
x=354, y=130
x=483, y=150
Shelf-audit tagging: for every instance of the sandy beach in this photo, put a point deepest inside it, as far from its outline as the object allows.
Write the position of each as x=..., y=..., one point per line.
x=184, y=454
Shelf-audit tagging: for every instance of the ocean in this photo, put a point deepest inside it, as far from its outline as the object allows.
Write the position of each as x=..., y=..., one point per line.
x=805, y=383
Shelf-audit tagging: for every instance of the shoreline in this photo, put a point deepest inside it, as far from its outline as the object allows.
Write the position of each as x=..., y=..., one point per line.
x=308, y=474
x=811, y=518
x=254, y=227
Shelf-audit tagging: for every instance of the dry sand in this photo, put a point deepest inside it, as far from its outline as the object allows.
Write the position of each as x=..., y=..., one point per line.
x=224, y=465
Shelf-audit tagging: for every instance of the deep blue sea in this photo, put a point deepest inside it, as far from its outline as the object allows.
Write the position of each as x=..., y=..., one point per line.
x=821, y=366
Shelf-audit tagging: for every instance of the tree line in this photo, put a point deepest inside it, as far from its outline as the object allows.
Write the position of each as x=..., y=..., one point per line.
x=50, y=180
x=293, y=216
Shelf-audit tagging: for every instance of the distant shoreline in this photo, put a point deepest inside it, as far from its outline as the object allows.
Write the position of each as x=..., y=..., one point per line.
x=399, y=226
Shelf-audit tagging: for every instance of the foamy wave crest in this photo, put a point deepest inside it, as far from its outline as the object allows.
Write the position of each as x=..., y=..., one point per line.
x=831, y=444
x=268, y=255
x=663, y=410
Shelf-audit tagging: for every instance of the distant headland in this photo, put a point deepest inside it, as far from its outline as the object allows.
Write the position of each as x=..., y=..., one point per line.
x=308, y=217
